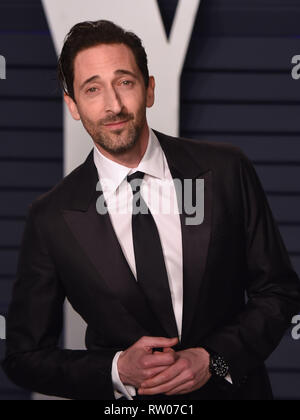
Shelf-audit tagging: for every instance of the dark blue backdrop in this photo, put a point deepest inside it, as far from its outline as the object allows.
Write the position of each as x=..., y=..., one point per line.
x=236, y=87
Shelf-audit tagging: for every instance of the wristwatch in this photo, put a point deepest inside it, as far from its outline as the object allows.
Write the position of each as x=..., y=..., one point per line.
x=217, y=366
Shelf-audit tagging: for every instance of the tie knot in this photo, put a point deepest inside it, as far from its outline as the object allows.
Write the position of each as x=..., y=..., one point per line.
x=135, y=180
x=136, y=175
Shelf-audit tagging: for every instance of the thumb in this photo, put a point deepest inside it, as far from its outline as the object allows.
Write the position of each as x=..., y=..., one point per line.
x=169, y=350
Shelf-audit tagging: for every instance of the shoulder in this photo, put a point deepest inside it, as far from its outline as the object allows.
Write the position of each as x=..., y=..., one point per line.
x=60, y=194
x=215, y=154
x=210, y=148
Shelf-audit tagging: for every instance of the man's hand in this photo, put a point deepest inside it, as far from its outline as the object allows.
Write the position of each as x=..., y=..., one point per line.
x=139, y=363
x=189, y=373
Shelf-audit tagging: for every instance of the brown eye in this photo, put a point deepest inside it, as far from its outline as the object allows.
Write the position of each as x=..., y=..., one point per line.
x=92, y=90
x=127, y=83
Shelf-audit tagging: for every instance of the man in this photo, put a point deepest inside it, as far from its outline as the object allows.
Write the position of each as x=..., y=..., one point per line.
x=163, y=297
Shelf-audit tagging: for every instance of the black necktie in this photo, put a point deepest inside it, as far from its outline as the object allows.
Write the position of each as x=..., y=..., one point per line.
x=150, y=265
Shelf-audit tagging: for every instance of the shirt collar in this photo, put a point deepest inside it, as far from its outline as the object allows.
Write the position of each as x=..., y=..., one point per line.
x=152, y=164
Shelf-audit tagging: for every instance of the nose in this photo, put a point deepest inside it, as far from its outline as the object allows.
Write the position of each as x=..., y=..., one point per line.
x=113, y=101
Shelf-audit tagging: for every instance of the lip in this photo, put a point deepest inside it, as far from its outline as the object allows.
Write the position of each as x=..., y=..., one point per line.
x=117, y=124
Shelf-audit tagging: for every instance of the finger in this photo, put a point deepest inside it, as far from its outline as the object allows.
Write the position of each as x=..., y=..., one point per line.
x=178, y=381
x=166, y=376
x=149, y=373
x=164, y=350
x=182, y=389
x=171, y=351
x=156, y=342
x=157, y=359
x=189, y=387
x=168, y=350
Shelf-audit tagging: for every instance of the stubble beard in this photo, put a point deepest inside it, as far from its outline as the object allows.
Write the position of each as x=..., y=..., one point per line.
x=117, y=142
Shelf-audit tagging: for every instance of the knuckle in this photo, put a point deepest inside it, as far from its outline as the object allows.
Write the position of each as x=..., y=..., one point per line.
x=144, y=363
x=163, y=378
x=170, y=359
x=146, y=373
x=173, y=357
x=184, y=364
x=190, y=375
x=193, y=383
x=149, y=374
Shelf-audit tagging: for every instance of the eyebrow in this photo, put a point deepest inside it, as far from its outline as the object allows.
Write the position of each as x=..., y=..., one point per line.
x=117, y=73
x=91, y=79
x=126, y=72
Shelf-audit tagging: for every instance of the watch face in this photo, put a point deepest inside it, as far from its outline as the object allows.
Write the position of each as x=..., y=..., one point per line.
x=219, y=367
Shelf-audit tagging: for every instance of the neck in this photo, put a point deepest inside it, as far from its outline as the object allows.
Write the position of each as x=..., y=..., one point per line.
x=133, y=157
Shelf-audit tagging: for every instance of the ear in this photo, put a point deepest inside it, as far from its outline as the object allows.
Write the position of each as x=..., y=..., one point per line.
x=151, y=92
x=72, y=107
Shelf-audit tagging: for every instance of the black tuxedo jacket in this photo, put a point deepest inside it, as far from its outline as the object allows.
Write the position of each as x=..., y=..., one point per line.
x=69, y=250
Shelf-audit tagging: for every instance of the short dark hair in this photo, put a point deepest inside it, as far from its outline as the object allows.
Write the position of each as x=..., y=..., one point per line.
x=89, y=34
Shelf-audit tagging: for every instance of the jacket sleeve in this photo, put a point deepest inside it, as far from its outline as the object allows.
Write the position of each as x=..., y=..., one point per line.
x=34, y=324
x=273, y=288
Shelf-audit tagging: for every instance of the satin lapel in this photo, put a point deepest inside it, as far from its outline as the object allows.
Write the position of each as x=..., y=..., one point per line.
x=195, y=243
x=195, y=238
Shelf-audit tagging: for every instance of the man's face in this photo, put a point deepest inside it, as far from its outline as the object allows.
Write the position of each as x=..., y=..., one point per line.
x=111, y=96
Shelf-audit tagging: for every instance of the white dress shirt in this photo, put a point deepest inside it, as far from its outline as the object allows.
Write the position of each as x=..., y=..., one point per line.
x=158, y=191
